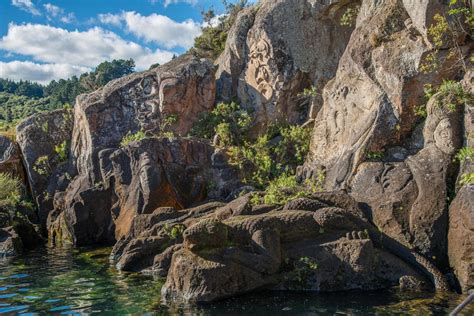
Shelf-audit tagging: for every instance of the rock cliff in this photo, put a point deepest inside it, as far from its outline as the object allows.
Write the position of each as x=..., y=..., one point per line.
x=391, y=148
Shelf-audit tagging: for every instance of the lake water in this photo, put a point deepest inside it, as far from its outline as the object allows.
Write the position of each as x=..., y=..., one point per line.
x=68, y=282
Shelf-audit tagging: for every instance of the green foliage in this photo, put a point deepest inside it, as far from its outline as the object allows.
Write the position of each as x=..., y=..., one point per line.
x=132, y=137
x=281, y=149
x=61, y=151
x=451, y=94
x=467, y=178
x=286, y=188
x=446, y=31
x=42, y=166
x=174, y=231
x=309, y=92
x=350, y=16
x=375, y=155
x=228, y=120
x=10, y=191
x=214, y=33
x=106, y=72
x=465, y=154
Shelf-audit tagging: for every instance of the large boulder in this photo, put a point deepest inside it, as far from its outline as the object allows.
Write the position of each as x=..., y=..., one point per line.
x=319, y=250
x=10, y=158
x=44, y=140
x=276, y=50
x=138, y=179
x=183, y=88
x=461, y=237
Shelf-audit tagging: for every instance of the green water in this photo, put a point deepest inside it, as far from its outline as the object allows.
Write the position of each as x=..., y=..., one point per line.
x=52, y=281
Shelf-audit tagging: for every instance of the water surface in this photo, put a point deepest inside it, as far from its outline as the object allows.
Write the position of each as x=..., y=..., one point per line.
x=67, y=281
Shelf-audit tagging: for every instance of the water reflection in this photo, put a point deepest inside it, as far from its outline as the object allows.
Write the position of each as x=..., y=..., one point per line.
x=67, y=281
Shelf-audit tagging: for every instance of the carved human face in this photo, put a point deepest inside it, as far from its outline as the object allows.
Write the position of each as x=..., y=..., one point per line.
x=444, y=137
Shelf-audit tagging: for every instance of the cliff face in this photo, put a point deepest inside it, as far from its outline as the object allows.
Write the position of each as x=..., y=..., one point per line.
x=390, y=175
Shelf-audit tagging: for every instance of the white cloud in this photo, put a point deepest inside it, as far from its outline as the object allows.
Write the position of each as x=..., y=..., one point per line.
x=110, y=19
x=42, y=73
x=162, y=30
x=26, y=5
x=168, y=2
x=68, y=18
x=47, y=44
x=53, y=10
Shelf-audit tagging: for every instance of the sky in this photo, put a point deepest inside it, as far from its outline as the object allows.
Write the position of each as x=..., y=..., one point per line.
x=44, y=40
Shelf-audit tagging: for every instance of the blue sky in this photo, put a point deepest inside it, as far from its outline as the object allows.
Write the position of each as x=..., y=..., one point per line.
x=42, y=40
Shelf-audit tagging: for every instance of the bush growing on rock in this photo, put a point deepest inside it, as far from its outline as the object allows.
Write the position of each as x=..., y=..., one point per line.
x=132, y=137
x=214, y=34
x=10, y=190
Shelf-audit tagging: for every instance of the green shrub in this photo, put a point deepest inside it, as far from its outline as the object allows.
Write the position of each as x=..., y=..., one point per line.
x=375, y=155
x=61, y=151
x=350, y=16
x=213, y=38
x=127, y=139
x=42, y=166
x=464, y=154
x=451, y=94
x=10, y=190
x=228, y=120
x=467, y=178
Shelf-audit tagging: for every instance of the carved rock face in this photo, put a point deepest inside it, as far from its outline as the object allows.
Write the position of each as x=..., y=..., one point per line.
x=273, y=53
x=185, y=87
x=369, y=105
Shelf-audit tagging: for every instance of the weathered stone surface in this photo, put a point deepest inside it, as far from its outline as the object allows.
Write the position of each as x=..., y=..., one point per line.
x=10, y=243
x=138, y=179
x=10, y=158
x=408, y=198
x=153, y=238
x=369, y=105
x=274, y=53
x=287, y=250
x=37, y=137
x=184, y=87
x=461, y=237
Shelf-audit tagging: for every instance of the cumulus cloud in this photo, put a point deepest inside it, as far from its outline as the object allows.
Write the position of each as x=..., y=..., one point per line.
x=42, y=73
x=162, y=30
x=26, y=5
x=48, y=44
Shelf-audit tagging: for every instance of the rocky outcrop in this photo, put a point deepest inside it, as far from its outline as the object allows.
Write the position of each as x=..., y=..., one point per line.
x=368, y=140
x=10, y=158
x=325, y=249
x=275, y=51
x=461, y=237
x=183, y=89
x=138, y=179
x=44, y=142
